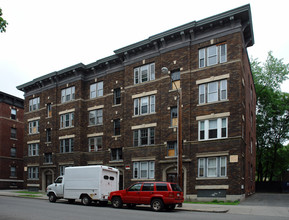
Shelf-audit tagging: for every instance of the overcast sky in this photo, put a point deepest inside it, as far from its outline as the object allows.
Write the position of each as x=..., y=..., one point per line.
x=44, y=36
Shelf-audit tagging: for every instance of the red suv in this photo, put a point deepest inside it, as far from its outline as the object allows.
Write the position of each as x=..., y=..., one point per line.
x=157, y=194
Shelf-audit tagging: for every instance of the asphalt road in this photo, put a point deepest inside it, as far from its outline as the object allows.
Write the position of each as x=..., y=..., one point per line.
x=12, y=208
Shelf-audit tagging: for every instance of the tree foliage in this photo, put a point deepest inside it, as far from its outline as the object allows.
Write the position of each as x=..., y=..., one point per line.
x=3, y=23
x=272, y=115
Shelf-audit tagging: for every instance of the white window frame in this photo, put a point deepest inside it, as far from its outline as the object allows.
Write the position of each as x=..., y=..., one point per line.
x=96, y=116
x=146, y=101
x=206, y=128
x=33, y=150
x=144, y=170
x=140, y=72
x=13, y=113
x=96, y=90
x=97, y=141
x=34, y=127
x=212, y=55
x=67, y=120
x=68, y=94
x=218, y=165
x=34, y=104
x=213, y=92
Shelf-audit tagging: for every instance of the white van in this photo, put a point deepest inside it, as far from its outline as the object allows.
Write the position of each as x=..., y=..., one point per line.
x=88, y=183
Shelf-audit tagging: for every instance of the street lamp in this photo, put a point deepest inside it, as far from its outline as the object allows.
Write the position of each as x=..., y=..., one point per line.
x=179, y=130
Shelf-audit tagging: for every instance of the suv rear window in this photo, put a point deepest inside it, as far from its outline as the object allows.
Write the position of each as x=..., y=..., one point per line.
x=162, y=187
x=176, y=187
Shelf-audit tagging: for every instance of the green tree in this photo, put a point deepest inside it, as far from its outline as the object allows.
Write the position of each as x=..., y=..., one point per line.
x=3, y=23
x=272, y=114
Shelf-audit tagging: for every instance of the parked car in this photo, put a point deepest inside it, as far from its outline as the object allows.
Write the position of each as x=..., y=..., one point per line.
x=157, y=194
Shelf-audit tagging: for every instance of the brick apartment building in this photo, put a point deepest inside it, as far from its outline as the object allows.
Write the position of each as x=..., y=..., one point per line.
x=11, y=141
x=121, y=111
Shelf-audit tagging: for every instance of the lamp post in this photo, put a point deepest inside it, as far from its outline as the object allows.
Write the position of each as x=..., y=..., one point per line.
x=179, y=131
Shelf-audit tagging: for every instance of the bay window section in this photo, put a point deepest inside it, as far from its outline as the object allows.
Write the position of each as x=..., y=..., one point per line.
x=95, y=117
x=213, y=92
x=143, y=137
x=67, y=120
x=96, y=90
x=68, y=94
x=34, y=127
x=144, y=73
x=94, y=144
x=144, y=105
x=213, y=129
x=66, y=145
x=144, y=170
x=212, y=167
x=212, y=55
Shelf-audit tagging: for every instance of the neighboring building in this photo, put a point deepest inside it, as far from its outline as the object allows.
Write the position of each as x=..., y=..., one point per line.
x=11, y=141
x=120, y=111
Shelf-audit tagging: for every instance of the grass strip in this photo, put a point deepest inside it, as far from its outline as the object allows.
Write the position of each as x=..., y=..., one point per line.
x=215, y=202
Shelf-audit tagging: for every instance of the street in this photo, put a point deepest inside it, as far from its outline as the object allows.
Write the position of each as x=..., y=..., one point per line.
x=12, y=208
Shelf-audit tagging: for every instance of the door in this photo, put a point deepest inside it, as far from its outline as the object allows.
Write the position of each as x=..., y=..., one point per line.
x=146, y=193
x=132, y=194
x=59, y=186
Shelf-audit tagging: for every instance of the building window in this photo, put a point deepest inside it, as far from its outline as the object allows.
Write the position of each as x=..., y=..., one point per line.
x=116, y=154
x=116, y=96
x=49, y=110
x=34, y=127
x=212, y=55
x=175, y=80
x=212, y=167
x=34, y=104
x=48, y=157
x=13, y=151
x=48, y=135
x=33, y=173
x=144, y=170
x=33, y=149
x=94, y=144
x=213, y=92
x=95, y=117
x=143, y=137
x=174, y=116
x=67, y=120
x=66, y=145
x=116, y=125
x=62, y=170
x=213, y=129
x=13, y=172
x=68, y=94
x=144, y=73
x=13, y=114
x=96, y=90
x=13, y=133
x=144, y=105
x=172, y=148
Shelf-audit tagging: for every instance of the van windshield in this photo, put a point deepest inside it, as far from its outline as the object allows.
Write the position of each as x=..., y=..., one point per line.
x=176, y=187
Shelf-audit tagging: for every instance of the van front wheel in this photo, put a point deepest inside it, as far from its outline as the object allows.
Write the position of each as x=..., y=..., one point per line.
x=52, y=197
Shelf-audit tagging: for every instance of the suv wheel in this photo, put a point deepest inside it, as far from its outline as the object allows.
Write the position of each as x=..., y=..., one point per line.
x=116, y=202
x=157, y=205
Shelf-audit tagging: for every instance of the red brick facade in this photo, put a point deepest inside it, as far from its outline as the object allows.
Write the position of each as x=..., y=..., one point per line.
x=11, y=147
x=222, y=166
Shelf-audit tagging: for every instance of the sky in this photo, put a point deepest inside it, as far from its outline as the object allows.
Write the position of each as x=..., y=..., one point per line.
x=44, y=36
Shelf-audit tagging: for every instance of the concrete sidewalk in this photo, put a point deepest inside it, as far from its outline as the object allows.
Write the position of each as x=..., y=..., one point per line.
x=232, y=209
